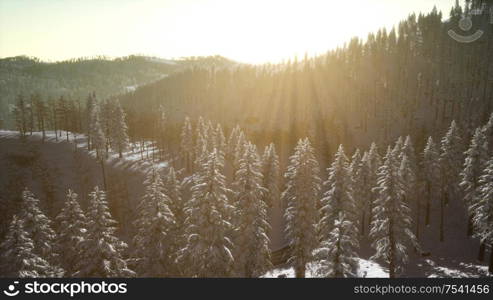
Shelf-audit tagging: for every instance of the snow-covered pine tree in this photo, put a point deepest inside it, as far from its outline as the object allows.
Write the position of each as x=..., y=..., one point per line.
x=161, y=130
x=98, y=139
x=271, y=174
x=72, y=222
x=20, y=111
x=210, y=133
x=97, y=133
x=173, y=189
x=451, y=160
x=431, y=176
x=90, y=102
x=219, y=139
x=232, y=141
x=488, y=133
x=373, y=161
x=238, y=152
x=408, y=150
x=252, y=253
x=18, y=258
x=357, y=180
x=408, y=179
x=201, y=128
x=106, y=118
x=201, y=153
x=101, y=250
x=474, y=164
x=409, y=174
x=338, y=196
x=39, y=227
x=366, y=189
x=153, y=242
x=482, y=209
x=391, y=231
x=399, y=143
x=186, y=145
x=119, y=129
x=301, y=197
x=208, y=249
x=337, y=253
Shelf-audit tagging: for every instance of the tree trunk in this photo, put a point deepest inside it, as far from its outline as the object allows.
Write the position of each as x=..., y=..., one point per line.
x=490, y=269
x=300, y=271
x=427, y=216
x=43, y=130
x=428, y=204
x=370, y=215
x=442, y=204
x=120, y=153
x=363, y=223
x=101, y=160
x=391, y=250
x=482, y=248
x=142, y=149
x=470, y=225
x=418, y=215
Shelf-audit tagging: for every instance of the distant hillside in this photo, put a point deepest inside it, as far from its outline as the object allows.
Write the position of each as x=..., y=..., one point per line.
x=78, y=77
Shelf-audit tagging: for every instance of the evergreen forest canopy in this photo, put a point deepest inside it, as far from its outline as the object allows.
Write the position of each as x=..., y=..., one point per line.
x=399, y=125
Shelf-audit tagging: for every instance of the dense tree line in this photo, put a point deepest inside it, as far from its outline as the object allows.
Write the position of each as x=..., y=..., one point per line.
x=413, y=79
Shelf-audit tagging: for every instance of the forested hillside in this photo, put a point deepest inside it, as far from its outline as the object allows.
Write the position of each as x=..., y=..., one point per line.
x=414, y=80
x=75, y=79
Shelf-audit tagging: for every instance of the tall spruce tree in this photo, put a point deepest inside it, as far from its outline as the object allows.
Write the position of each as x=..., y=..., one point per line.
x=208, y=248
x=101, y=251
x=119, y=130
x=153, y=243
x=337, y=253
x=357, y=179
x=338, y=196
x=173, y=189
x=373, y=161
x=431, y=177
x=474, y=164
x=451, y=160
x=72, y=223
x=366, y=190
x=482, y=210
x=186, y=145
x=39, y=227
x=271, y=174
x=18, y=258
x=391, y=231
x=409, y=174
x=301, y=197
x=252, y=253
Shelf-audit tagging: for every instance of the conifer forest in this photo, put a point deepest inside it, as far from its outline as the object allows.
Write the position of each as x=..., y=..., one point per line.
x=371, y=159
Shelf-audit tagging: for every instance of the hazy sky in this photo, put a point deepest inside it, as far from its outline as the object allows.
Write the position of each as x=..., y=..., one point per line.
x=252, y=31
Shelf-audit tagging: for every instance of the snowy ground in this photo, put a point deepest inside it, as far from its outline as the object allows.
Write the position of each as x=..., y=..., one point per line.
x=35, y=165
x=367, y=269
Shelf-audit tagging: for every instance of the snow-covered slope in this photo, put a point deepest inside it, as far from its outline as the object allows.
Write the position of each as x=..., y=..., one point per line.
x=49, y=169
